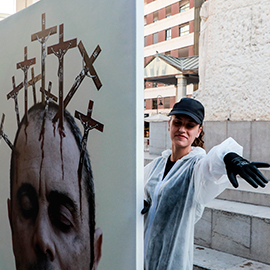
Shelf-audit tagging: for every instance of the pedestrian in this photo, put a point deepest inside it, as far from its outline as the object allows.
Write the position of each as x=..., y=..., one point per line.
x=182, y=181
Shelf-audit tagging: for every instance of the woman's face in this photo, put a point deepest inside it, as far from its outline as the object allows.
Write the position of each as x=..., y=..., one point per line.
x=183, y=131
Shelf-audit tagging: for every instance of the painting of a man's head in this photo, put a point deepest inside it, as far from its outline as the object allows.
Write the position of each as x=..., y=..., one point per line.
x=51, y=210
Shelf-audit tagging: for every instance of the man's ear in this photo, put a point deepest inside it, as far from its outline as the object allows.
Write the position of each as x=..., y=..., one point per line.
x=9, y=214
x=97, y=247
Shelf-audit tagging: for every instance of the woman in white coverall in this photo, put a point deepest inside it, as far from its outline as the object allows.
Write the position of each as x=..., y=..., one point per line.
x=181, y=182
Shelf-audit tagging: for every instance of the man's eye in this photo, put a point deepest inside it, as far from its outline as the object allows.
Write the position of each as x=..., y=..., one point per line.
x=27, y=207
x=61, y=218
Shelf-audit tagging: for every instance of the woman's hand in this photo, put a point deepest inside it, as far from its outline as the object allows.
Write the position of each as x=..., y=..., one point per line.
x=235, y=164
x=146, y=207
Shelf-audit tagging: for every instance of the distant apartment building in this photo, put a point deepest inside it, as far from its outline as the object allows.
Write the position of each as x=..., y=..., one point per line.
x=171, y=34
x=3, y=15
x=21, y=4
x=15, y=6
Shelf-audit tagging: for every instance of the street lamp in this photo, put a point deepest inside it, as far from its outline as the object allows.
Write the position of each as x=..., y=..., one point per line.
x=160, y=101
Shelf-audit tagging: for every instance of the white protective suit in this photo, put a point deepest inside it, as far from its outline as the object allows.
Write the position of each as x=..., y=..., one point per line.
x=177, y=203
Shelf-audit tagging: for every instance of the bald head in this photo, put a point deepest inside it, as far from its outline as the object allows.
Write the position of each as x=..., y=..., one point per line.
x=48, y=213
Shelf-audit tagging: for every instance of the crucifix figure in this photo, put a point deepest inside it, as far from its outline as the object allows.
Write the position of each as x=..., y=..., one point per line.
x=14, y=94
x=32, y=83
x=60, y=50
x=24, y=66
x=85, y=72
x=88, y=124
x=3, y=135
x=42, y=37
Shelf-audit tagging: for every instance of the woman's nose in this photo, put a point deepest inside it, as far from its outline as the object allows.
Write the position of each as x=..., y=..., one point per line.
x=182, y=128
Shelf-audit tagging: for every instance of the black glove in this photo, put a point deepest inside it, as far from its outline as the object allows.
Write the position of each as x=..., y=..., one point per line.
x=146, y=207
x=247, y=170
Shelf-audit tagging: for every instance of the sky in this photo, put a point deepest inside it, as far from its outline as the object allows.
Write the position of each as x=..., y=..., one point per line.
x=7, y=6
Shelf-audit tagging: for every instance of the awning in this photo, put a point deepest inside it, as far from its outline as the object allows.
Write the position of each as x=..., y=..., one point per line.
x=164, y=69
x=157, y=118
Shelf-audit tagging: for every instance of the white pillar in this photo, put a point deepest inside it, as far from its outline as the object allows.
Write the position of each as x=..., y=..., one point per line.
x=189, y=89
x=180, y=87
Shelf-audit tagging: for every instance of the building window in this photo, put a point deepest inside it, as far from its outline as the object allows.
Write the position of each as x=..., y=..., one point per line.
x=145, y=41
x=146, y=128
x=145, y=20
x=155, y=84
x=167, y=103
x=155, y=38
x=155, y=16
x=183, y=52
x=183, y=6
x=154, y=104
x=168, y=53
x=183, y=30
x=144, y=104
x=168, y=12
x=168, y=34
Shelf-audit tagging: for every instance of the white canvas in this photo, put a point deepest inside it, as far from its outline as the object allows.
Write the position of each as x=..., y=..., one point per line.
x=117, y=153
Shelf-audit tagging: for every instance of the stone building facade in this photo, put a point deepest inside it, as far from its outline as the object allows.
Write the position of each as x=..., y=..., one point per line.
x=234, y=54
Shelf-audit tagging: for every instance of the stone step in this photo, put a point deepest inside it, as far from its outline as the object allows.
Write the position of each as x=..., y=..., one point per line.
x=209, y=259
x=265, y=172
x=245, y=193
x=236, y=228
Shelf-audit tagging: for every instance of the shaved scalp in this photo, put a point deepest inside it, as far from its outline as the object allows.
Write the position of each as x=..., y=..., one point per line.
x=37, y=114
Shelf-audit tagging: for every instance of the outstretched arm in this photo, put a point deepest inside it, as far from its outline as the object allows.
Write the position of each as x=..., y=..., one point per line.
x=235, y=164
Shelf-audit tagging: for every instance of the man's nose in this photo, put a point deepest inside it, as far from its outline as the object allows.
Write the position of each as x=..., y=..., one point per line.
x=43, y=237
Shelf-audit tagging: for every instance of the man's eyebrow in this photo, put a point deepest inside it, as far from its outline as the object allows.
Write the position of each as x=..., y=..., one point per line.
x=63, y=198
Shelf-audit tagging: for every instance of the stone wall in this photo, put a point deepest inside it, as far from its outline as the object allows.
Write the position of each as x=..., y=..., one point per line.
x=159, y=139
x=254, y=136
x=234, y=60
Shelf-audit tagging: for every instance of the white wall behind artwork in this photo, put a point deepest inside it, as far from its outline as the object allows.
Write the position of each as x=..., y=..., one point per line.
x=117, y=153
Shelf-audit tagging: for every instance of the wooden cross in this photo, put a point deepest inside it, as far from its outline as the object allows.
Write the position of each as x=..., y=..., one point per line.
x=3, y=135
x=80, y=77
x=88, y=124
x=14, y=94
x=87, y=120
x=24, y=66
x=42, y=37
x=48, y=95
x=89, y=63
x=60, y=50
x=32, y=83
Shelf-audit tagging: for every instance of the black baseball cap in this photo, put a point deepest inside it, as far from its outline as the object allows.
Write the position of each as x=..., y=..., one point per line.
x=190, y=107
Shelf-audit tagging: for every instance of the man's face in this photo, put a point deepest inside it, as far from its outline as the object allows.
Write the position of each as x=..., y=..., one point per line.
x=49, y=222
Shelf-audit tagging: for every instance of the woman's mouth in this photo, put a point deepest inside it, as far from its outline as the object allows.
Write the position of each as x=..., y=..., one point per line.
x=180, y=136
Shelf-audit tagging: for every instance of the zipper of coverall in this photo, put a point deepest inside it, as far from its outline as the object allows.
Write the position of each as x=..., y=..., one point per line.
x=153, y=211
